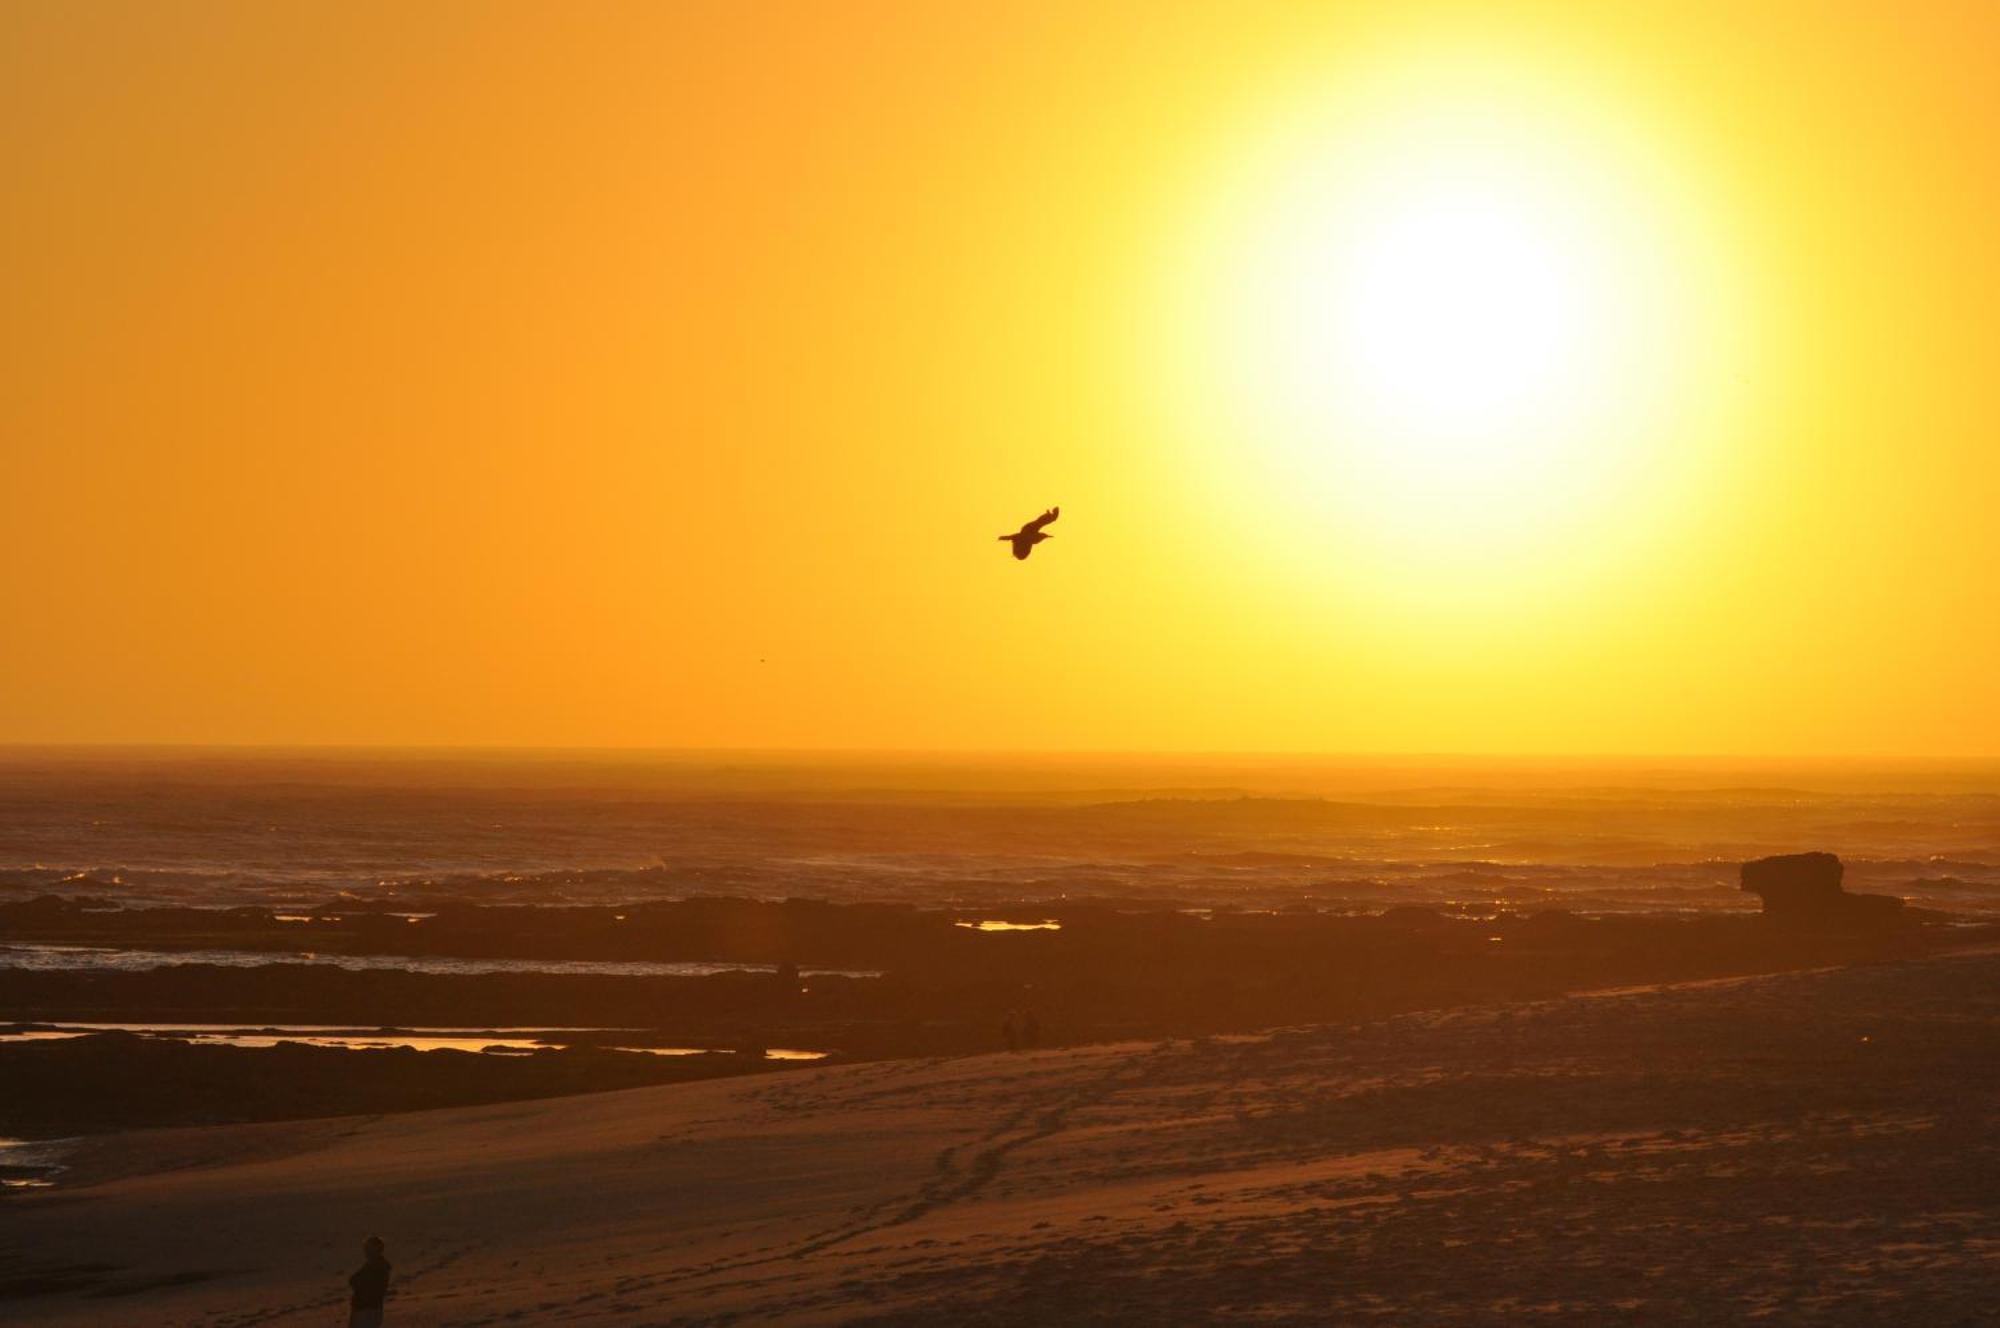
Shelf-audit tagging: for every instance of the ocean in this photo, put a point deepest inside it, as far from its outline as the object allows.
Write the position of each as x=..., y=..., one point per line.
x=212, y=828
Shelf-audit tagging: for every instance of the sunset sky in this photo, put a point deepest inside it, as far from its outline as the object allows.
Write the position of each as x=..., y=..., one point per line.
x=1419, y=377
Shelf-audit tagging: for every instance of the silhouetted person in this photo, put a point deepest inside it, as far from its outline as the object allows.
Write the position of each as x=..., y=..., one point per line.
x=1028, y=536
x=369, y=1285
x=1011, y=1032
x=1031, y=1029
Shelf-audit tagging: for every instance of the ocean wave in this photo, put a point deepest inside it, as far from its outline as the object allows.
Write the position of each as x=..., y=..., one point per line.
x=377, y=834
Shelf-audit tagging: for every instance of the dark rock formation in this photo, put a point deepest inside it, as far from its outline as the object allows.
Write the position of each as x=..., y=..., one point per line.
x=1804, y=888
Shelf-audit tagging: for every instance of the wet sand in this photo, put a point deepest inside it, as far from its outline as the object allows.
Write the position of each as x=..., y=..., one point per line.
x=1809, y=1147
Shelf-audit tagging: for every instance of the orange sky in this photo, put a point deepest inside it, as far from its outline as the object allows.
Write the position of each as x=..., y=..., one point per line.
x=659, y=375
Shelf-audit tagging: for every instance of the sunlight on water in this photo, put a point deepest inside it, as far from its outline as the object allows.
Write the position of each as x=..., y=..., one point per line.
x=47, y=958
x=417, y=834
x=488, y=1041
x=35, y=1162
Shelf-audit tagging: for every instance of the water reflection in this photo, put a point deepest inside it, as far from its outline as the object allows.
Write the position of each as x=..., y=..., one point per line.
x=770, y=1053
x=489, y=1041
x=333, y=918
x=998, y=924
x=31, y=1164
x=55, y=958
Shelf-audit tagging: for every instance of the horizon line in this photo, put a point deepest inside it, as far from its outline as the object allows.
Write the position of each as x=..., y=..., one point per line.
x=9, y=747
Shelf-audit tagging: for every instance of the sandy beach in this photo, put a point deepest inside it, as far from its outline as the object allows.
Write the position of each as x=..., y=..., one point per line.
x=1810, y=1147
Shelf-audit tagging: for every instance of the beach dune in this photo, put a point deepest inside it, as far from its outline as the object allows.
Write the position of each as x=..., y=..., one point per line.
x=1813, y=1147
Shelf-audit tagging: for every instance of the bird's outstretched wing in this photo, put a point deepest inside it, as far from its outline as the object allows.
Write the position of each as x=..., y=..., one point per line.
x=1029, y=535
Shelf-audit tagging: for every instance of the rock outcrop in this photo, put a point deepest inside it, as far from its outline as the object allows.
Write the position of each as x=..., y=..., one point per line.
x=1805, y=889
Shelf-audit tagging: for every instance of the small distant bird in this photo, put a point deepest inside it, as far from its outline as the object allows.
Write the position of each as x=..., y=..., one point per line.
x=1027, y=537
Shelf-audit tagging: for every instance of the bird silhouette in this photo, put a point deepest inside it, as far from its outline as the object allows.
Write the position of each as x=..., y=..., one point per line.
x=1028, y=536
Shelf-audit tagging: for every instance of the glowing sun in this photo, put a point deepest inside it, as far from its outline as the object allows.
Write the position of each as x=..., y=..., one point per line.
x=1455, y=320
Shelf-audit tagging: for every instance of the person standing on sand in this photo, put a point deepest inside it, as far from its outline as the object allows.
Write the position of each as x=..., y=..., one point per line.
x=370, y=1285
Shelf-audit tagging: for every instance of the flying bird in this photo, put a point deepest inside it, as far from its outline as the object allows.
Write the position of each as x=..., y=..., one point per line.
x=1028, y=536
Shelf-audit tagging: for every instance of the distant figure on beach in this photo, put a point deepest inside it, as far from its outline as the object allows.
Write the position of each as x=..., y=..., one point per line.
x=1031, y=1029
x=1011, y=1032
x=369, y=1285
x=1028, y=536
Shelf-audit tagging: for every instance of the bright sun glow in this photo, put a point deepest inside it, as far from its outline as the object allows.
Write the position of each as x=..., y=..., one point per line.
x=1449, y=326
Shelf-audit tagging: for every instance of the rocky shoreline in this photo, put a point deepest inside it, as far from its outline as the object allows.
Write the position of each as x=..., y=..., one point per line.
x=1087, y=974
